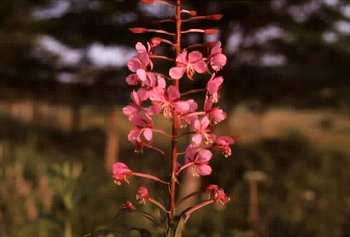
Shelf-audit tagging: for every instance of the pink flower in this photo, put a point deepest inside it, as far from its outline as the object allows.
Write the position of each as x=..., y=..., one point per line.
x=217, y=58
x=217, y=194
x=200, y=158
x=139, y=116
x=142, y=194
x=213, y=86
x=216, y=115
x=135, y=108
x=141, y=60
x=147, y=80
x=189, y=63
x=200, y=126
x=223, y=144
x=169, y=101
x=120, y=173
x=140, y=136
x=128, y=206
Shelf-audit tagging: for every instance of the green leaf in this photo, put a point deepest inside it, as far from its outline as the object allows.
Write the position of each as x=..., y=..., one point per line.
x=179, y=229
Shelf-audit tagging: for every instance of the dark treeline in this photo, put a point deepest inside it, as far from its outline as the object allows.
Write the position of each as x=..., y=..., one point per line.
x=306, y=37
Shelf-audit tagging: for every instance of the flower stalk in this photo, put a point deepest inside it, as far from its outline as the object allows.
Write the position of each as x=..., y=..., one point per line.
x=157, y=94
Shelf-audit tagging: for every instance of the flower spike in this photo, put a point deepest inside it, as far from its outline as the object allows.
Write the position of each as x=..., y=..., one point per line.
x=158, y=95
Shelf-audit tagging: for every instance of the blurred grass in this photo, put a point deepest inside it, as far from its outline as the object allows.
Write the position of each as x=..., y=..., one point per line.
x=303, y=153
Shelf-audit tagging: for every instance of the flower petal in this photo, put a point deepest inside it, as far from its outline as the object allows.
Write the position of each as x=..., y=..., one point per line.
x=197, y=139
x=177, y=72
x=203, y=170
x=148, y=134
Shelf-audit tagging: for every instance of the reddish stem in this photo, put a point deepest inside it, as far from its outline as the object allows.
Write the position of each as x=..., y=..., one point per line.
x=157, y=149
x=194, y=91
x=150, y=177
x=190, y=211
x=175, y=127
x=162, y=57
x=184, y=167
x=158, y=204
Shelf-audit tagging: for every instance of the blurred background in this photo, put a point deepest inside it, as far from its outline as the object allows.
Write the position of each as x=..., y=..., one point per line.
x=62, y=70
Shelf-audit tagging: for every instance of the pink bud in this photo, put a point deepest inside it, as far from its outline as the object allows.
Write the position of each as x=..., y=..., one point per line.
x=211, y=31
x=148, y=1
x=142, y=194
x=128, y=206
x=156, y=41
x=217, y=194
x=120, y=172
x=215, y=17
x=138, y=30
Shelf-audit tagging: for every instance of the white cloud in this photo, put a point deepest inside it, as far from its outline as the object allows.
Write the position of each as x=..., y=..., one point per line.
x=330, y=37
x=54, y=10
x=104, y=56
x=66, y=55
x=343, y=27
x=273, y=60
x=345, y=10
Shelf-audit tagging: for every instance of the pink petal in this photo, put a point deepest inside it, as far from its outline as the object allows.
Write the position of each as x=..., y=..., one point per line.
x=182, y=58
x=204, y=156
x=200, y=67
x=214, y=84
x=132, y=79
x=197, y=125
x=173, y=93
x=144, y=59
x=195, y=56
x=135, y=98
x=217, y=115
x=143, y=94
x=193, y=105
x=205, y=122
x=218, y=62
x=134, y=64
x=177, y=72
x=148, y=134
x=203, y=170
x=129, y=110
x=133, y=134
x=197, y=139
x=190, y=152
x=216, y=49
x=182, y=107
x=140, y=48
x=156, y=95
x=161, y=82
x=141, y=74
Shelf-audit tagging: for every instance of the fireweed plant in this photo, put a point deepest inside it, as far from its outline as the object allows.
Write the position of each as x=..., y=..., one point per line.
x=156, y=94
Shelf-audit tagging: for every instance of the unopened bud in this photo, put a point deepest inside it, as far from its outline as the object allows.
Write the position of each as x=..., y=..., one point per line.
x=211, y=31
x=138, y=30
x=156, y=41
x=148, y=1
x=193, y=13
x=215, y=17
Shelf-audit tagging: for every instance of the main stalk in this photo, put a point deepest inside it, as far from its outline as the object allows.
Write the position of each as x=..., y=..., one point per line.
x=175, y=125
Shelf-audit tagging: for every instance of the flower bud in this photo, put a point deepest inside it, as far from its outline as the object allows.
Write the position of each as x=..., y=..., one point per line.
x=148, y=1
x=193, y=13
x=138, y=30
x=142, y=194
x=217, y=194
x=128, y=206
x=156, y=41
x=215, y=17
x=211, y=31
x=120, y=173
